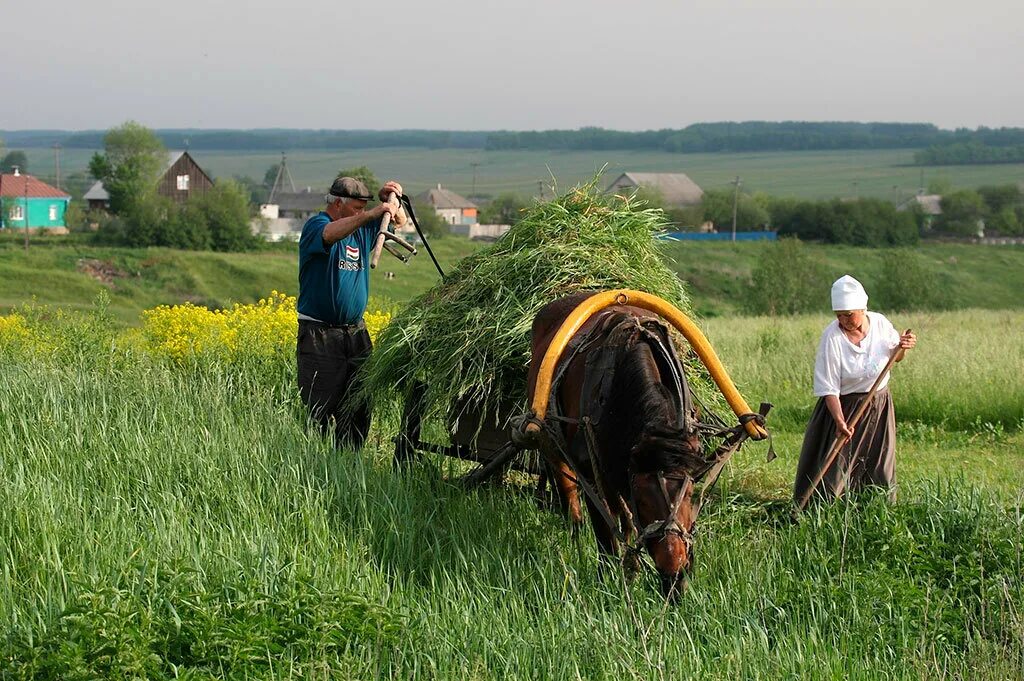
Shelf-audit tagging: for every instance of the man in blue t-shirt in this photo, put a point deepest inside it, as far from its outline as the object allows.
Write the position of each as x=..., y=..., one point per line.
x=334, y=285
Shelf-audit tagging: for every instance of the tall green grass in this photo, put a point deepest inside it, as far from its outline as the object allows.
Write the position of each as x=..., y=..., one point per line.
x=160, y=523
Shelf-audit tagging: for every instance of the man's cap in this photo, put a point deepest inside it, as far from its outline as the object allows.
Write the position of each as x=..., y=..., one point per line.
x=350, y=187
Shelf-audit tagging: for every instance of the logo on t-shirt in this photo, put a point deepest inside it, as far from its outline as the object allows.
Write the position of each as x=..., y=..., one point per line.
x=349, y=260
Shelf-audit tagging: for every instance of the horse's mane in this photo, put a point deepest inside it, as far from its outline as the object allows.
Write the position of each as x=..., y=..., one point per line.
x=654, y=440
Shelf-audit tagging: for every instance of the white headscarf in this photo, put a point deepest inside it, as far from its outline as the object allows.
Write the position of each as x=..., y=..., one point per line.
x=848, y=294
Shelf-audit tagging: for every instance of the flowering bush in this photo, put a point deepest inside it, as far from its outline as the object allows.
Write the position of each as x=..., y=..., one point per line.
x=262, y=330
x=14, y=332
x=184, y=334
x=13, y=329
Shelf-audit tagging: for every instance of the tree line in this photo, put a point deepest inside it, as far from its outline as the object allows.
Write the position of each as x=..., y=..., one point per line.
x=969, y=153
x=747, y=136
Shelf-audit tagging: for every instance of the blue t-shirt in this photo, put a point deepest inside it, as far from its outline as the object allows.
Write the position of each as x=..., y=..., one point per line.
x=334, y=281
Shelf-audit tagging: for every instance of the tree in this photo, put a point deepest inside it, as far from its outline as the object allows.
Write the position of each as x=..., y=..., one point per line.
x=130, y=164
x=1006, y=222
x=788, y=279
x=257, y=193
x=224, y=212
x=750, y=213
x=430, y=222
x=962, y=211
x=270, y=177
x=999, y=197
x=365, y=175
x=12, y=159
x=505, y=209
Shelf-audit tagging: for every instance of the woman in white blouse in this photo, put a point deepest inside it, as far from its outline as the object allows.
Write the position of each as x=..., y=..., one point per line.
x=851, y=354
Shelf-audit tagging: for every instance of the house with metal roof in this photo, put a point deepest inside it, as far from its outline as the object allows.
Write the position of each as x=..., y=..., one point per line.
x=452, y=208
x=675, y=189
x=28, y=202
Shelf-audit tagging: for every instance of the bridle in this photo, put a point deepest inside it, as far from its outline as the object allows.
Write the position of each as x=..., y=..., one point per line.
x=658, y=530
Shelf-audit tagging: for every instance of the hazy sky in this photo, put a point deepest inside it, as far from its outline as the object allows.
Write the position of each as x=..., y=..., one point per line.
x=519, y=64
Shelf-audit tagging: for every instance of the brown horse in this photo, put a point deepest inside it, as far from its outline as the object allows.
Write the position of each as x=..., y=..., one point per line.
x=640, y=452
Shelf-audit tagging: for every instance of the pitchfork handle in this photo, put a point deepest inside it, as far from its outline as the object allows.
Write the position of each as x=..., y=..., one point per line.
x=378, y=245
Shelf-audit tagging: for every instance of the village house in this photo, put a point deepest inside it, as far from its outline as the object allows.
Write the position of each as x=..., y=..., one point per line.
x=181, y=178
x=675, y=189
x=450, y=207
x=28, y=202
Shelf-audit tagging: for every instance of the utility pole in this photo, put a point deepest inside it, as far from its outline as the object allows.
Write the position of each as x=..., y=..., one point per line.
x=56, y=161
x=26, y=211
x=540, y=189
x=473, y=192
x=735, y=201
x=856, y=196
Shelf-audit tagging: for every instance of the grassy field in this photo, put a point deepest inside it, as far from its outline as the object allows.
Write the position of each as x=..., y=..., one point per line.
x=885, y=174
x=60, y=272
x=168, y=522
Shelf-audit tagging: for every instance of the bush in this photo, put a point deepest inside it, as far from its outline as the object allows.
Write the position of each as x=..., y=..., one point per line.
x=906, y=284
x=962, y=212
x=787, y=280
x=225, y=211
x=865, y=222
x=750, y=212
x=430, y=222
x=505, y=209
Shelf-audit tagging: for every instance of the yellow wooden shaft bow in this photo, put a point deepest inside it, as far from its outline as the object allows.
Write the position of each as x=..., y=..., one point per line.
x=693, y=335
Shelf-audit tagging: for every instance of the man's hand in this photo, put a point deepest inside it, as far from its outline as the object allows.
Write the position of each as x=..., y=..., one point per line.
x=908, y=340
x=389, y=187
x=389, y=208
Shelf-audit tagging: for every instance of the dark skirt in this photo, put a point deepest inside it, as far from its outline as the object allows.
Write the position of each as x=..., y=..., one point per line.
x=872, y=450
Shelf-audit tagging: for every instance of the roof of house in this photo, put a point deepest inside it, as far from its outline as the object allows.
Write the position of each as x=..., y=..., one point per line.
x=674, y=188
x=97, y=192
x=300, y=201
x=439, y=197
x=25, y=185
x=931, y=204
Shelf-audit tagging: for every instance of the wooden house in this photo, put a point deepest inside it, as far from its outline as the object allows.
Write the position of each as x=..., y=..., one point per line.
x=181, y=178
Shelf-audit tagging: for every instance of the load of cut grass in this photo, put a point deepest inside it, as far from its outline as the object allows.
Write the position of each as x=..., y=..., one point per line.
x=468, y=338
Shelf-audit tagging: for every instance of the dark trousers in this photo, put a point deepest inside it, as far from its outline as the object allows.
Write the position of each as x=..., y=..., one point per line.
x=329, y=360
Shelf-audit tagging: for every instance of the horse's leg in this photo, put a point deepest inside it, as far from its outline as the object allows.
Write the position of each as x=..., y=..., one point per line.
x=568, y=492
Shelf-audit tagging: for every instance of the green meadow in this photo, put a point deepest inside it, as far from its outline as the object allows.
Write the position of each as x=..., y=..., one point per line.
x=170, y=521
x=184, y=522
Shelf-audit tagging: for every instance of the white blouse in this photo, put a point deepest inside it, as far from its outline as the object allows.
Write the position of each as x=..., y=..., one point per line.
x=841, y=368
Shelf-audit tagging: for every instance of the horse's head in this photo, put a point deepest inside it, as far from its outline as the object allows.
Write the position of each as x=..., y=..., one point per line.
x=662, y=467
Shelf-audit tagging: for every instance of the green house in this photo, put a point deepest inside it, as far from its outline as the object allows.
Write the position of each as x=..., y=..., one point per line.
x=27, y=201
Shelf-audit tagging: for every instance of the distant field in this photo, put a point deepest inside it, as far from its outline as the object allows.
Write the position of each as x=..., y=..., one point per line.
x=812, y=174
